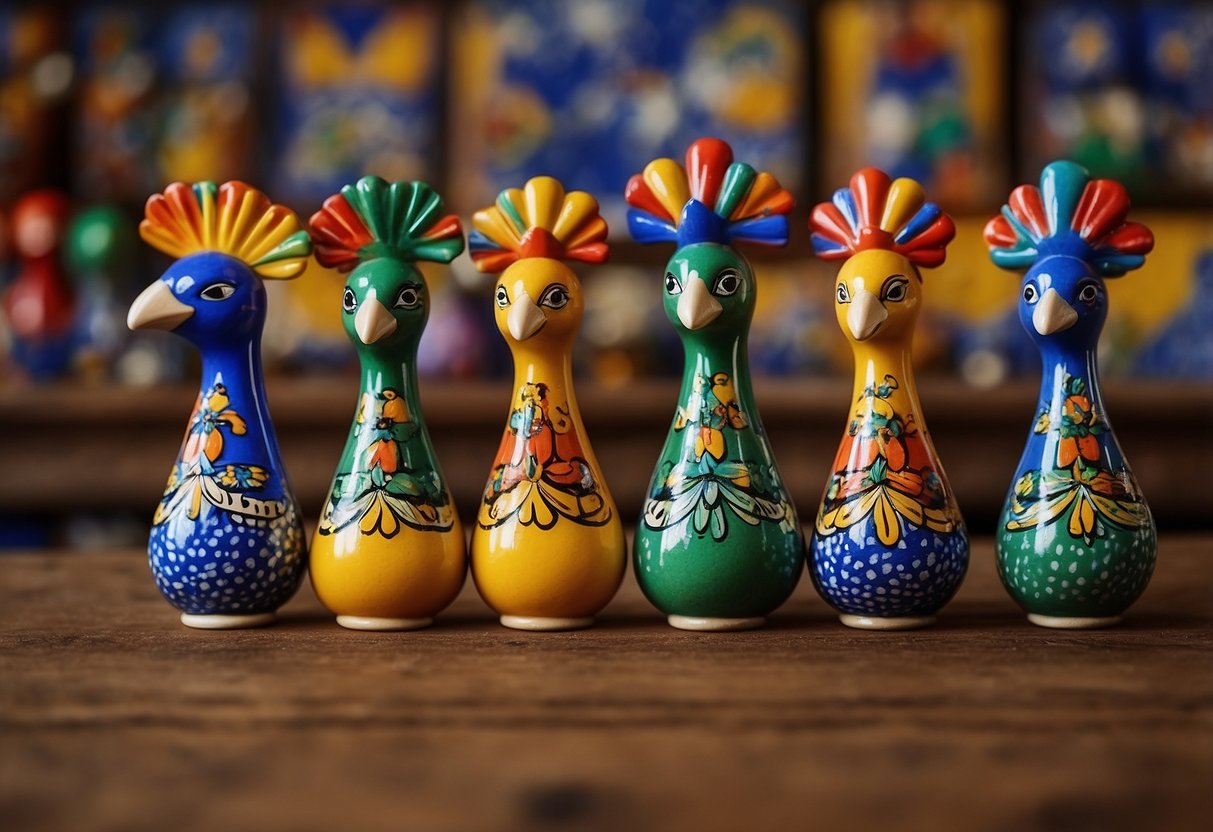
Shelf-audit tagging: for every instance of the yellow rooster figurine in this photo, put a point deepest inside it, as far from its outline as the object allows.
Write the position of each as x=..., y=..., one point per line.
x=889, y=548
x=548, y=551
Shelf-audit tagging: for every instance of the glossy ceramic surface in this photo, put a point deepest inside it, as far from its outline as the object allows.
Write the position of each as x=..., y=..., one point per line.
x=548, y=549
x=719, y=545
x=1076, y=541
x=227, y=538
x=889, y=547
x=389, y=551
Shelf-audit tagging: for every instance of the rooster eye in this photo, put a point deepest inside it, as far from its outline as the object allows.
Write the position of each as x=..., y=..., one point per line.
x=843, y=295
x=1088, y=293
x=218, y=291
x=1029, y=293
x=895, y=289
x=348, y=301
x=727, y=283
x=672, y=286
x=409, y=298
x=554, y=297
x=503, y=297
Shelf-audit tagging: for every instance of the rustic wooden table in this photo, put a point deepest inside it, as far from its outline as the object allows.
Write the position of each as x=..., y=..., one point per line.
x=113, y=717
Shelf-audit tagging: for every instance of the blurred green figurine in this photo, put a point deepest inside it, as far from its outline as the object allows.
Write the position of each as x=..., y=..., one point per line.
x=100, y=254
x=719, y=546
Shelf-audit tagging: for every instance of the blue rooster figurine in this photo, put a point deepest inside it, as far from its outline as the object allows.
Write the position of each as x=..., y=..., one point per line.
x=1076, y=542
x=227, y=545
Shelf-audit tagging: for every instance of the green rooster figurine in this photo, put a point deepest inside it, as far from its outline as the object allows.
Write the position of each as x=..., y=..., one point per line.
x=719, y=546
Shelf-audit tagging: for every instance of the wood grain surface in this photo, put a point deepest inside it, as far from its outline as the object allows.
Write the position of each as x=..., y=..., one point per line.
x=114, y=717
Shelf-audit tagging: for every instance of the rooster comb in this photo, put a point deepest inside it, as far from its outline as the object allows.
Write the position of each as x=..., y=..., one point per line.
x=876, y=212
x=374, y=218
x=1070, y=214
x=538, y=220
x=711, y=200
x=232, y=218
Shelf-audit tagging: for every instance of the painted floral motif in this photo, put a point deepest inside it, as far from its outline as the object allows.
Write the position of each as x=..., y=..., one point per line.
x=883, y=472
x=1078, y=427
x=199, y=482
x=1078, y=488
x=212, y=413
x=705, y=489
x=541, y=473
x=385, y=494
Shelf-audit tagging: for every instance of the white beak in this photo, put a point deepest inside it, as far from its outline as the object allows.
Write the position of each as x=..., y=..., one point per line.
x=373, y=322
x=866, y=315
x=525, y=318
x=1053, y=314
x=696, y=306
x=157, y=308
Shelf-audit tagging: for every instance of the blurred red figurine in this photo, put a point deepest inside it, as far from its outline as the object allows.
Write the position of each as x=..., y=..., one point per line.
x=38, y=304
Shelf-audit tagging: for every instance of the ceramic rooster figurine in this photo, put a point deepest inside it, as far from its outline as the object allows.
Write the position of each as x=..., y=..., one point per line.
x=1076, y=542
x=227, y=544
x=889, y=548
x=389, y=552
x=548, y=550
x=719, y=546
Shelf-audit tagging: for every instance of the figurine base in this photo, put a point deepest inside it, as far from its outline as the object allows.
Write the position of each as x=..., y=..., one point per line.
x=227, y=622
x=539, y=624
x=876, y=622
x=714, y=625
x=372, y=624
x=1071, y=622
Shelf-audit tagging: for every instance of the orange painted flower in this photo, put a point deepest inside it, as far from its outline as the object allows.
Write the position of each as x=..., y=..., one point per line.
x=1080, y=425
x=386, y=454
x=883, y=470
